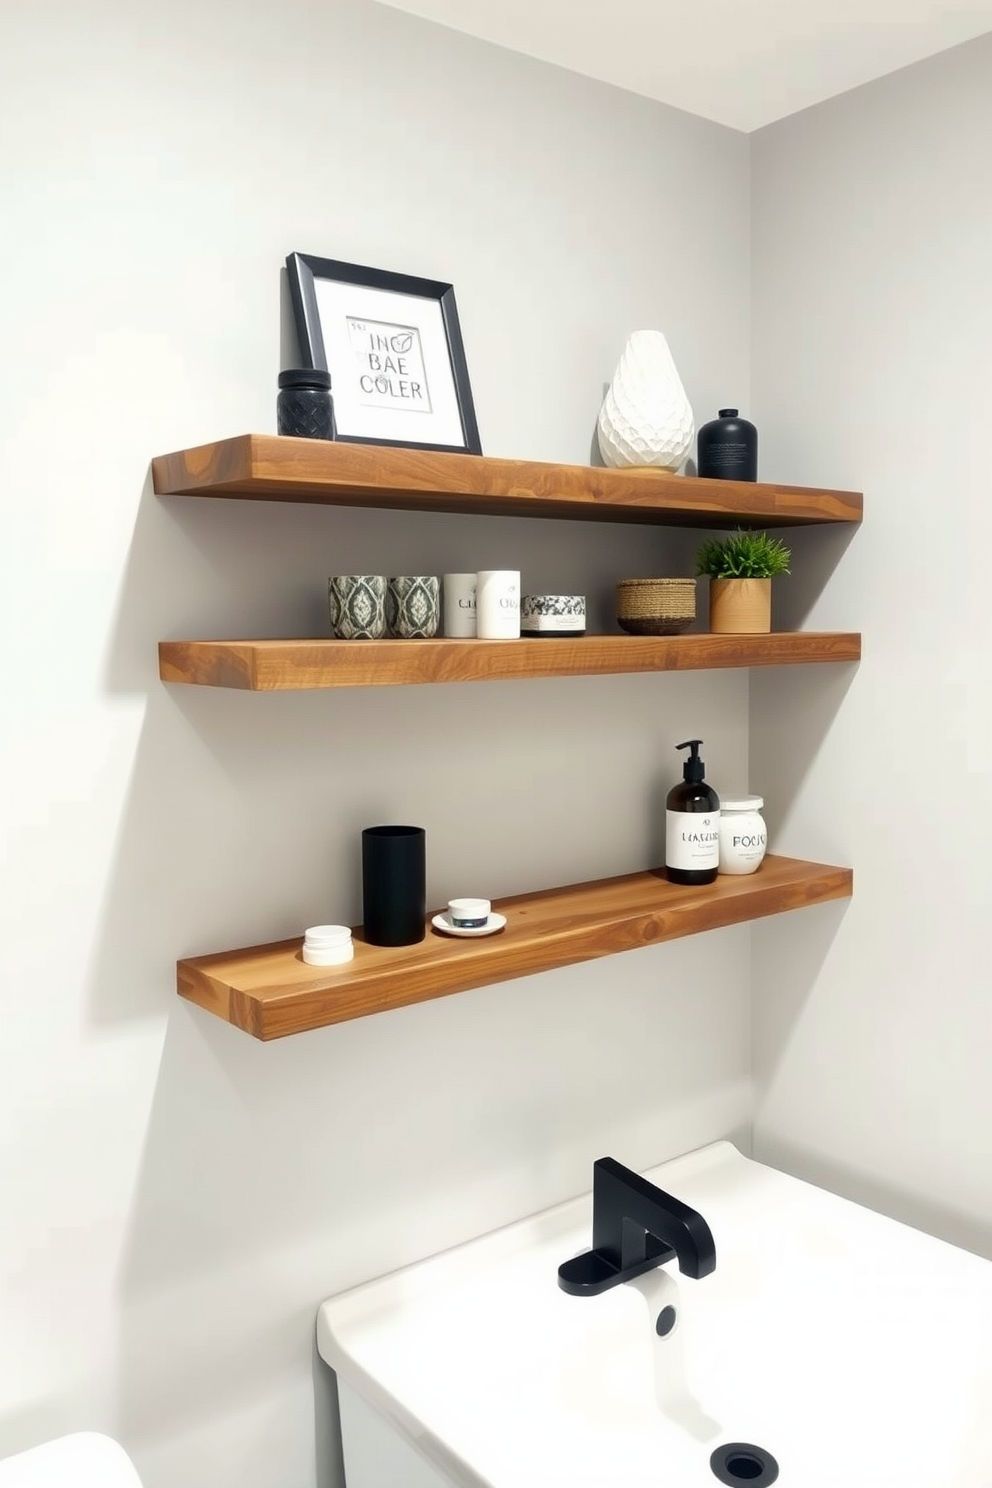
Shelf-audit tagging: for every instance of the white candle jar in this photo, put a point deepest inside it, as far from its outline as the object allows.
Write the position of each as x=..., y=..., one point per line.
x=742, y=834
x=497, y=600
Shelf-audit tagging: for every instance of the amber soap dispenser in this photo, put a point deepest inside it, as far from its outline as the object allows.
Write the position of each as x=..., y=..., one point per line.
x=692, y=824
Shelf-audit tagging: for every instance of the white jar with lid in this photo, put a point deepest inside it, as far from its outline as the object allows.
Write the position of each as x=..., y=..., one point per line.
x=328, y=945
x=742, y=834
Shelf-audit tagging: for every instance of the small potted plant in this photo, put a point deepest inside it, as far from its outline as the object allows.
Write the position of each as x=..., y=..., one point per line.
x=741, y=568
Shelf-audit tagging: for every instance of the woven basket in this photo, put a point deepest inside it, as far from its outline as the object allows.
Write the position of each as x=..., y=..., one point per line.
x=656, y=606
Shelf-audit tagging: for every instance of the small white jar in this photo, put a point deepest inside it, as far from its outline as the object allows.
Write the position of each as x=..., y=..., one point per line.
x=328, y=945
x=469, y=914
x=742, y=834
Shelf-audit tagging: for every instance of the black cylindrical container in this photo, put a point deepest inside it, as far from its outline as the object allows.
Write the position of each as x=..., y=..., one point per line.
x=394, y=885
x=304, y=407
x=727, y=448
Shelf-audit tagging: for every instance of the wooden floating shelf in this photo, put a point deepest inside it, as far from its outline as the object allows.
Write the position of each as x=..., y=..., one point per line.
x=275, y=666
x=269, y=992
x=269, y=467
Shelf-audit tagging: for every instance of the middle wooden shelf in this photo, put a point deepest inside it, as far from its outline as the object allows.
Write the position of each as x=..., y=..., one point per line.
x=279, y=665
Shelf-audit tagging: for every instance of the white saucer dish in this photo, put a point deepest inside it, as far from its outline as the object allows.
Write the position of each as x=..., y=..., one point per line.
x=495, y=922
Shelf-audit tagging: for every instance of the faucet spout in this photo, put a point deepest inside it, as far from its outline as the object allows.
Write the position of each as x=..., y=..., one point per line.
x=635, y=1227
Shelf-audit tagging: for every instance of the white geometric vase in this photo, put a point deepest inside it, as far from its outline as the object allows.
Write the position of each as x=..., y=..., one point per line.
x=646, y=418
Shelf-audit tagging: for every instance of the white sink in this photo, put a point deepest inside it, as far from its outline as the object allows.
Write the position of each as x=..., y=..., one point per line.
x=853, y=1349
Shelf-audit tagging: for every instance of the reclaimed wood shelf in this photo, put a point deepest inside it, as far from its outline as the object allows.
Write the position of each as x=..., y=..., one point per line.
x=276, y=666
x=269, y=991
x=270, y=467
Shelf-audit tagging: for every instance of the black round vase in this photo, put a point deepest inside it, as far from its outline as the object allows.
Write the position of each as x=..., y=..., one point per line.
x=727, y=448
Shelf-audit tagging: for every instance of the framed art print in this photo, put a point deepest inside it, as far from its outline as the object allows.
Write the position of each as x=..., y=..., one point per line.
x=393, y=347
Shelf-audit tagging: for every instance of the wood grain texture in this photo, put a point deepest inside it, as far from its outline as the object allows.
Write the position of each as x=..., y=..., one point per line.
x=270, y=992
x=269, y=467
x=275, y=666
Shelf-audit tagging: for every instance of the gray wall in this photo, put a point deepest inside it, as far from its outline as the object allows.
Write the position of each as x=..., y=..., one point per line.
x=177, y=1198
x=872, y=368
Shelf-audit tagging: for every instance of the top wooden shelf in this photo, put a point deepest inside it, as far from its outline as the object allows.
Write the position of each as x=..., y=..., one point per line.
x=269, y=467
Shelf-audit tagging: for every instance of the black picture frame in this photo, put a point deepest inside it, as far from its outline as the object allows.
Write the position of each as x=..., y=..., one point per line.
x=430, y=348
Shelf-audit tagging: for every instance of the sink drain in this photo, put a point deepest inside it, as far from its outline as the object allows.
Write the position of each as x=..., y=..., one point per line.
x=741, y=1463
x=665, y=1321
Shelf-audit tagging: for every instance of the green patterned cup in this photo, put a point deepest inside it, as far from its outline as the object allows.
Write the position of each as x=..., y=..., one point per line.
x=358, y=606
x=413, y=606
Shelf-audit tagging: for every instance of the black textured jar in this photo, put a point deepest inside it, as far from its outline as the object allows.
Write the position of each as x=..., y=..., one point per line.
x=304, y=407
x=727, y=448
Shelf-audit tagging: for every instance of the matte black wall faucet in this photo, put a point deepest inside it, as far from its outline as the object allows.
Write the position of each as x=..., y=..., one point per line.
x=635, y=1227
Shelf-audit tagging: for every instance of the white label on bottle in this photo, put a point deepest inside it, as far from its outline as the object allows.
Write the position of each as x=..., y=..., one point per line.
x=692, y=839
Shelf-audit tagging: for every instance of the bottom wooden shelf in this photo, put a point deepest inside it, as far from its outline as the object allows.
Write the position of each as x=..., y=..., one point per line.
x=270, y=992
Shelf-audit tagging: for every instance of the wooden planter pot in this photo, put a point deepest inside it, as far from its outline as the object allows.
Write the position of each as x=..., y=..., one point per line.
x=740, y=606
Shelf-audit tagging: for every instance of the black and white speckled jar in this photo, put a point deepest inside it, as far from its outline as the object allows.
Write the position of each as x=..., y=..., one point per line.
x=553, y=615
x=413, y=606
x=357, y=606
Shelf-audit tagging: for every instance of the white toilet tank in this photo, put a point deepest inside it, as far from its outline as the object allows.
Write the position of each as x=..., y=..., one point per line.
x=86, y=1459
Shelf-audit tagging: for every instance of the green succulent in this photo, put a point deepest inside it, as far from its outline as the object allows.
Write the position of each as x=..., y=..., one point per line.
x=743, y=555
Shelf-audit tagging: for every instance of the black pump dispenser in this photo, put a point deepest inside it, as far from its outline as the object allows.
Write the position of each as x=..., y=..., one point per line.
x=693, y=768
x=692, y=824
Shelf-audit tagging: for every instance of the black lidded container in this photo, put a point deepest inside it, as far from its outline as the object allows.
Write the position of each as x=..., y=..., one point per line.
x=394, y=885
x=727, y=448
x=304, y=407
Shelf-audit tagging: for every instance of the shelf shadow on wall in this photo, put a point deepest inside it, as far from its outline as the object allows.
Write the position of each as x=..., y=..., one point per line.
x=793, y=711
x=214, y=848
x=788, y=955
x=816, y=552
x=219, y=568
